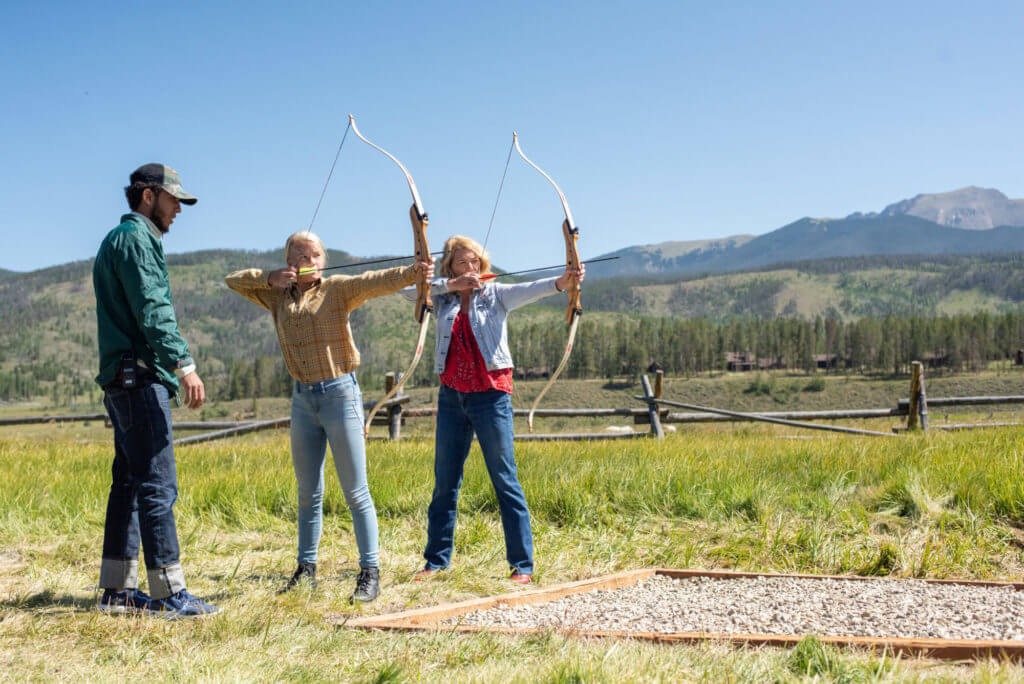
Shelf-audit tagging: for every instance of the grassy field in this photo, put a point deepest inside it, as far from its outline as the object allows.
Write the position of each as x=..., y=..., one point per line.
x=945, y=505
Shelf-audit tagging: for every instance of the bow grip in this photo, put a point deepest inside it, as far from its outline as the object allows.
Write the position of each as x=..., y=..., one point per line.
x=572, y=260
x=421, y=253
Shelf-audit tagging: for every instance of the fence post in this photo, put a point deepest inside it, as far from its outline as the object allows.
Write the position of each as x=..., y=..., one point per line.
x=652, y=408
x=394, y=412
x=915, y=389
x=922, y=403
x=659, y=377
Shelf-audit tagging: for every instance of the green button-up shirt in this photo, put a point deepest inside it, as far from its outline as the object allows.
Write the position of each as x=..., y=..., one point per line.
x=134, y=312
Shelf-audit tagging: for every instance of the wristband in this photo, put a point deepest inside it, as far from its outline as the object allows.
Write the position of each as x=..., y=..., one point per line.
x=185, y=370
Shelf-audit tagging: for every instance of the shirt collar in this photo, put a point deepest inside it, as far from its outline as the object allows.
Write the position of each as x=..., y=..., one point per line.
x=298, y=294
x=146, y=221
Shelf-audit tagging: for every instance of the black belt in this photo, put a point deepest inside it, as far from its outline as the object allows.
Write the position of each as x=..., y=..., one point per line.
x=144, y=376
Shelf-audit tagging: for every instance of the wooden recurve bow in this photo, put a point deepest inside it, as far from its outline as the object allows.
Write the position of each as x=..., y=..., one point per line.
x=421, y=250
x=571, y=235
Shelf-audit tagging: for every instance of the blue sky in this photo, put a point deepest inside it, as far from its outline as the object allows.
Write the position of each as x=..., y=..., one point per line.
x=660, y=120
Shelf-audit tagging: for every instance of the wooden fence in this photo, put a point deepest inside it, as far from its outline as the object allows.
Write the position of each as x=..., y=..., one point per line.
x=656, y=413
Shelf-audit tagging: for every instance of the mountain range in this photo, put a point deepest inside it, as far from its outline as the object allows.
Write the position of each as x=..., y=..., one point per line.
x=967, y=221
x=971, y=208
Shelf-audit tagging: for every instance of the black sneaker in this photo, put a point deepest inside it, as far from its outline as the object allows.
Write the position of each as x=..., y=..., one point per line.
x=367, y=586
x=123, y=601
x=307, y=570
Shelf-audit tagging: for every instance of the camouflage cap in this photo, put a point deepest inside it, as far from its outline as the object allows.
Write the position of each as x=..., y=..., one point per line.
x=165, y=177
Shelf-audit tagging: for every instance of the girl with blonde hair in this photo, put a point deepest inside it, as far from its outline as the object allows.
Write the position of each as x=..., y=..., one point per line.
x=311, y=316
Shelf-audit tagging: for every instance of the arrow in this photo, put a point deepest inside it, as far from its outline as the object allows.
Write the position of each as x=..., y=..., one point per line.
x=491, y=276
x=304, y=271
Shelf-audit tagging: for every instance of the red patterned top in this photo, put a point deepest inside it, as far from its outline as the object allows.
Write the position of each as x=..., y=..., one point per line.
x=464, y=369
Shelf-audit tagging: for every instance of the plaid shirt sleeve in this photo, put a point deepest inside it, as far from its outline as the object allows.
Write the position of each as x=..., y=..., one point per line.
x=252, y=284
x=359, y=289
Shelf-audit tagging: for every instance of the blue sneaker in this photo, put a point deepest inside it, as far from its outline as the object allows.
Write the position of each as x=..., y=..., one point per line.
x=179, y=606
x=123, y=601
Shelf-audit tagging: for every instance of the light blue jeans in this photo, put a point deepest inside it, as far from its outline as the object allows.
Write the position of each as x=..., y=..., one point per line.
x=322, y=412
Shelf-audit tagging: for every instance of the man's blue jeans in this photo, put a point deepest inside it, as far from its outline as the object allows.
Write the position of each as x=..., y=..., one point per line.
x=322, y=412
x=142, y=494
x=489, y=414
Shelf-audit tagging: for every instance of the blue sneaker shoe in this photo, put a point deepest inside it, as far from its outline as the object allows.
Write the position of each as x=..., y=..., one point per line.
x=180, y=606
x=123, y=601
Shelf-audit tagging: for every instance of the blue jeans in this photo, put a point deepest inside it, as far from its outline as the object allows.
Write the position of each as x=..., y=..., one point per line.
x=142, y=493
x=322, y=412
x=489, y=414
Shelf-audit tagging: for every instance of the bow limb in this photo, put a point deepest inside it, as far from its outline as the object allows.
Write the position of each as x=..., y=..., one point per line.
x=571, y=235
x=424, y=305
x=558, y=370
x=424, y=324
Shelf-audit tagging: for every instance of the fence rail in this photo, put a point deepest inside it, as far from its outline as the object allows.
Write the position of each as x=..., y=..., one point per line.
x=655, y=413
x=29, y=420
x=673, y=417
x=965, y=401
x=763, y=418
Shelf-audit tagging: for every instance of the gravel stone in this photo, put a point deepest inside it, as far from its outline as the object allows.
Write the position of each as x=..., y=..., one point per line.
x=778, y=605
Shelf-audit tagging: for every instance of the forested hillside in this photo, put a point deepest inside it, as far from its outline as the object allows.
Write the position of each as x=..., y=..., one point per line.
x=871, y=313
x=845, y=288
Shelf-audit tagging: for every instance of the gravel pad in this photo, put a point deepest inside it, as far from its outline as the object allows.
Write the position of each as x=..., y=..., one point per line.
x=778, y=605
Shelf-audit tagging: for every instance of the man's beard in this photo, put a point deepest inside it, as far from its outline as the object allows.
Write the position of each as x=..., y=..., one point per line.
x=160, y=222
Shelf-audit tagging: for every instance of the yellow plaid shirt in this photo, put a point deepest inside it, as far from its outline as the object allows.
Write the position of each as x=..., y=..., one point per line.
x=313, y=326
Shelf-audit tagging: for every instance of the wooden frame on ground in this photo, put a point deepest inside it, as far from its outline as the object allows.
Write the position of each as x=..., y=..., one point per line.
x=427, y=619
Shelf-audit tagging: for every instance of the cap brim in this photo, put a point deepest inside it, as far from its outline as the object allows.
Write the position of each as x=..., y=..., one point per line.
x=184, y=197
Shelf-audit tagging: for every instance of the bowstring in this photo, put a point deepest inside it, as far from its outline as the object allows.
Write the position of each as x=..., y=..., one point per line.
x=328, y=181
x=498, y=198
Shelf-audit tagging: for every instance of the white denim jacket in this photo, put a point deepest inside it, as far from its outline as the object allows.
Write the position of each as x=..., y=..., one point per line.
x=488, y=311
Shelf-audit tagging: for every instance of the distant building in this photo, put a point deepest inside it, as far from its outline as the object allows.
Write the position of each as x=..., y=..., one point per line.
x=534, y=373
x=747, y=361
x=739, y=361
x=936, y=359
x=826, y=361
x=1020, y=357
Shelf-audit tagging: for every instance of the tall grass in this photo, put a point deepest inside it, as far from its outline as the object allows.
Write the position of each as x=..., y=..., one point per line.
x=940, y=506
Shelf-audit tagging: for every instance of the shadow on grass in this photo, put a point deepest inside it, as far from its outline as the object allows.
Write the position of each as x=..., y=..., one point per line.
x=54, y=602
x=49, y=602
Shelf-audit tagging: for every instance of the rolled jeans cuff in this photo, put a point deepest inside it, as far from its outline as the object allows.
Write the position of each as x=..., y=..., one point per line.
x=117, y=573
x=165, y=581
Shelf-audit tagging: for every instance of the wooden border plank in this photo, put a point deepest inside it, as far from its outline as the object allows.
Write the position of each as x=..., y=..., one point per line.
x=428, y=619
x=434, y=614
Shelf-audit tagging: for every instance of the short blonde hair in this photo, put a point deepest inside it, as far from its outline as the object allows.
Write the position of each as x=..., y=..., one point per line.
x=303, y=236
x=457, y=242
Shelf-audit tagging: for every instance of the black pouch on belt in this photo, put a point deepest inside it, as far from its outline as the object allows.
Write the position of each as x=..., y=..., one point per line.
x=126, y=372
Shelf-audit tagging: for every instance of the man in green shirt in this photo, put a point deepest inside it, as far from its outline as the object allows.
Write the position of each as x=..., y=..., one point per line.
x=143, y=360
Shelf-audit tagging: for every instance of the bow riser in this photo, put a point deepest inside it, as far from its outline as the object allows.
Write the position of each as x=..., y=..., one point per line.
x=572, y=261
x=424, y=305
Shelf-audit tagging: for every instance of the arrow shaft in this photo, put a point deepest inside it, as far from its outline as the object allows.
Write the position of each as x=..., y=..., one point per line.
x=491, y=276
x=362, y=263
